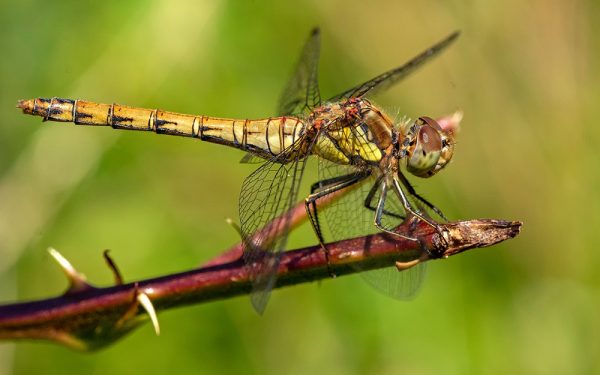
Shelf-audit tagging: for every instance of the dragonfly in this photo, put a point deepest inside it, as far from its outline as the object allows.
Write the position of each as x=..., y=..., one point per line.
x=359, y=149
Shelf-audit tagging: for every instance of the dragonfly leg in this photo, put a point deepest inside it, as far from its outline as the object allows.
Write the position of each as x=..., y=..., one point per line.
x=413, y=192
x=319, y=186
x=379, y=211
x=409, y=209
x=330, y=181
x=323, y=188
x=369, y=200
x=326, y=187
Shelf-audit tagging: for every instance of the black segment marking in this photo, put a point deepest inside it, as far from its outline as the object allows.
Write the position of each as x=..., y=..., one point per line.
x=77, y=116
x=56, y=108
x=49, y=110
x=44, y=111
x=119, y=121
x=158, y=123
x=214, y=139
x=206, y=137
x=35, y=109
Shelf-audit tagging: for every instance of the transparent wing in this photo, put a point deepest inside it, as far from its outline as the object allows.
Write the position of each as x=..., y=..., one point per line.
x=250, y=158
x=400, y=285
x=390, y=281
x=302, y=91
x=391, y=77
x=265, y=200
x=353, y=215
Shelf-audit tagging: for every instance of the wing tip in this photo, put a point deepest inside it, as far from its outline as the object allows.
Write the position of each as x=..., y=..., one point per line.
x=450, y=38
x=456, y=33
x=259, y=302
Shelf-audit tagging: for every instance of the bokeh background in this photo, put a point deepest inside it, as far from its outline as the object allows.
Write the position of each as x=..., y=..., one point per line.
x=524, y=73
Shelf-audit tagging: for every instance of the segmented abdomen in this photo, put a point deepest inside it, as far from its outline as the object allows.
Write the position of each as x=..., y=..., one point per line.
x=265, y=137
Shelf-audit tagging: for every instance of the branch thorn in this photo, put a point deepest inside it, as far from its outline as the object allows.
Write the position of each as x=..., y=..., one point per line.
x=235, y=227
x=146, y=303
x=140, y=299
x=402, y=266
x=113, y=267
x=76, y=279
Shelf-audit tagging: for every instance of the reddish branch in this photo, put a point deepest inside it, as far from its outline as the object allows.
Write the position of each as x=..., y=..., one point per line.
x=94, y=317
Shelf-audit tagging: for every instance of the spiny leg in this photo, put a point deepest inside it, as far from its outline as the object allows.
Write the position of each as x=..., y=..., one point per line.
x=408, y=206
x=330, y=181
x=328, y=186
x=371, y=195
x=379, y=211
x=409, y=209
x=314, y=187
x=413, y=192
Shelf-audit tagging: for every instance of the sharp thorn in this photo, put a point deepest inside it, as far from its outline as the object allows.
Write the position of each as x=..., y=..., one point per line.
x=144, y=300
x=77, y=280
x=402, y=266
x=113, y=267
x=235, y=226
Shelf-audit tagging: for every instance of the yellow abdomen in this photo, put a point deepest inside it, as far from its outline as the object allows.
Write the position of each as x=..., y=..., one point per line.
x=264, y=137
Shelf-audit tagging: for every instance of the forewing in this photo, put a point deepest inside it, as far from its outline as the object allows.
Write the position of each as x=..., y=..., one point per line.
x=391, y=77
x=301, y=93
x=266, y=198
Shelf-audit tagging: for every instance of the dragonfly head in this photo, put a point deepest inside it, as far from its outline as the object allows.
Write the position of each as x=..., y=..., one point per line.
x=428, y=147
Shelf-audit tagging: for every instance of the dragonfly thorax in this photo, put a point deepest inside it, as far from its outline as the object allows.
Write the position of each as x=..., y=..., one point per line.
x=352, y=132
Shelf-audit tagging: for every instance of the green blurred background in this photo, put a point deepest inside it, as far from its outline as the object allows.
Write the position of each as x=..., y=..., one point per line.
x=525, y=75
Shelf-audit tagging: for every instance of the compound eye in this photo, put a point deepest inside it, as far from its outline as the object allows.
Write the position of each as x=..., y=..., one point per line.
x=431, y=122
x=423, y=159
x=430, y=139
